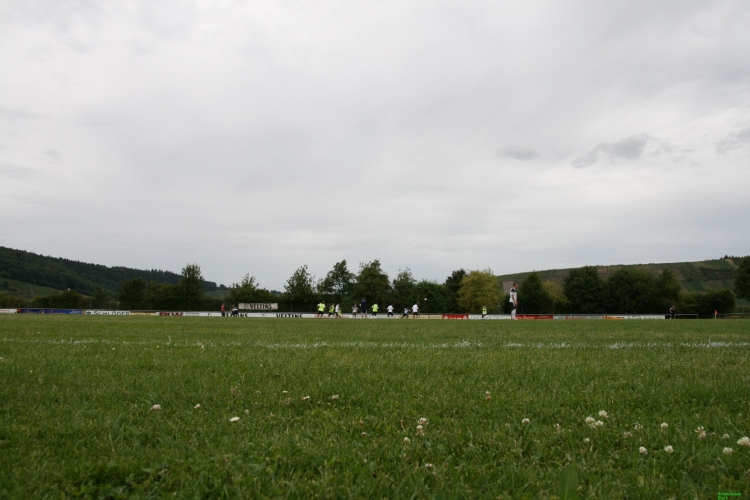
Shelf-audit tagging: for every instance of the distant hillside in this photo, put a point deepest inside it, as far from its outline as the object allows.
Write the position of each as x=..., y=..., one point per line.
x=693, y=276
x=61, y=274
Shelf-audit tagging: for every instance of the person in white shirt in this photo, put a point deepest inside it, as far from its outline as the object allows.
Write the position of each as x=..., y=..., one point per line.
x=406, y=313
x=338, y=311
x=514, y=300
x=390, y=311
x=415, y=310
x=354, y=311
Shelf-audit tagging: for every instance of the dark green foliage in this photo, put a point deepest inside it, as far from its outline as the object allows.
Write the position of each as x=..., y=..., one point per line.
x=69, y=299
x=742, y=279
x=452, y=286
x=11, y=301
x=373, y=283
x=299, y=288
x=403, y=292
x=632, y=291
x=436, y=295
x=585, y=291
x=532, y=297
x=338, y=284
x=191, y=287
x=64, y=274
x=668, y=286
x=102, y=299
x=132, y=294
x=249, y=292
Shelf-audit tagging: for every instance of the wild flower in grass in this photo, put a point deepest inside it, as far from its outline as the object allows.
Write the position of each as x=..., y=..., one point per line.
x=701, y=432
x=202, y=346
x=727, y=451
x=598, y=423
x=247, y=412
x=407, y=440
x=234, y=419
x=557, y=427
x=664, y=426
x=428, y=465
x=197, y=407
x=364, y=433
x=744, y=441
x=642, y=451
x=637, y=426
x=627, y=434
x=525, y=421
x=726, y=436
x=419, y=427
x=487, y=396
x=422, y=421
x=305, y=398
x=156, y=408
x=669, y=449
x=335, y=396
x=590, y=420
x=603, y=414
x=587, y=440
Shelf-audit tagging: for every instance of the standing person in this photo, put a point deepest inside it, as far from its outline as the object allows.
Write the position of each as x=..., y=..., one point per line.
x=672, y=312
x=338, y=311
x=374, y=310
x=330, y=310
x=415, y=310
x=484, y=311
x=321, y=309
x=514, y=300
x=363, y=307
x=406, y=313
x=390, y=311
x=354, y=311
x=223, y=311
x=235, y=311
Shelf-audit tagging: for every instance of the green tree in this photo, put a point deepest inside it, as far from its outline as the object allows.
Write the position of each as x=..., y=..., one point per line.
x=132, y=294
x=480, y=288
x=452, y=286
x=721, y=301
x=299, y=288
x=742, y=279
x=11, y=301
x=431, y=296
x=532, y=297
x=403, y=289
x=163, y=296
x=190, y=289
x=101, y=299
x=585, y=290
x=559, y=303
x=634, y=291
x=338, y=284
x=373, y=283
x=248, y=291
x=69, y=299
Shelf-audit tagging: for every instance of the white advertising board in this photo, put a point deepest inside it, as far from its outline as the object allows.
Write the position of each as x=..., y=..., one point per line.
x=8, y=311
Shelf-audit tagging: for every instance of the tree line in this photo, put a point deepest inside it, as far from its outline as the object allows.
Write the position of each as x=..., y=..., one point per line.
x=583, y=291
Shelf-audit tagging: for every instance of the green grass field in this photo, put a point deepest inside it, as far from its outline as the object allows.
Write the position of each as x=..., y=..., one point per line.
x=77, y=392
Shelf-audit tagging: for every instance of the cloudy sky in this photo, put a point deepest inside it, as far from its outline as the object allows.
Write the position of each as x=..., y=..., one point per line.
x=254, y=137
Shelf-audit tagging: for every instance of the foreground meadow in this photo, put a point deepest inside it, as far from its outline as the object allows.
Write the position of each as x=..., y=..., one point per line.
x=331, y=408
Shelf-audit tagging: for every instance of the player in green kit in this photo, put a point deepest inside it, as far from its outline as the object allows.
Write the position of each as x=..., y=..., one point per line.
x=374, y=310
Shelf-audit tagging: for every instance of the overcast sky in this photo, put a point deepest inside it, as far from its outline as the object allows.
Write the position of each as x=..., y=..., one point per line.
x=255, y=137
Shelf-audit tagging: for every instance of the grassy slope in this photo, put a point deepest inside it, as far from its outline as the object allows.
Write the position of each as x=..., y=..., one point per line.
x=76, y=393
x=693, y=276
x=27, y=290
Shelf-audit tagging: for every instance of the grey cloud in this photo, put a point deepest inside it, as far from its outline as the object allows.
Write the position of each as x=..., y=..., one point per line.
x=629, y=148
x=517, y=153
x=732, y=141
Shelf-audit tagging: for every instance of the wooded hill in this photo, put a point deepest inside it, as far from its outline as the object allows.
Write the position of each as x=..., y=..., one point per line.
x=85, y=278
x=693, y=276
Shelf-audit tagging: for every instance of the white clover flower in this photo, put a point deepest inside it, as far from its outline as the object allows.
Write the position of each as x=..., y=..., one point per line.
x=557, y=427
x=487, y=396
x=305, y=398
x=598, y=423
x=156, y=408
x=428, y=465
x=247, y=412
x=744, y=441
x=284, y=392
x=202, y=346
x=234, y=419
x=701, y=432
x=669, y=449
x=590, y=420
x=407, y=440
x=364, y=433
x=197, y=407
x=642, y=451
x=419, y=427
x=637, y=426
x=587, y=440
x=627, y=434
x=423, y=421
x=726, y=436
x=335, y=396
x=664, y=426
x=727, y=451
x=603, y=414
x=525, y=421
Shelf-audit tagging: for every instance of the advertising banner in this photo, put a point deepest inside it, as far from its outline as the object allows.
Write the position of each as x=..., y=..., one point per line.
x=40, y=310
x=490, y=316
x=578, y=316
x=455, y=316
x=534, y=316
x=258, y=307
x=108, y=313
x=143, y=313
x=8, y=311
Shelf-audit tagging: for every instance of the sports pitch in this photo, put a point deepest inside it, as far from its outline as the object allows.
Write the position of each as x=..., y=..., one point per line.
x=330, y=408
